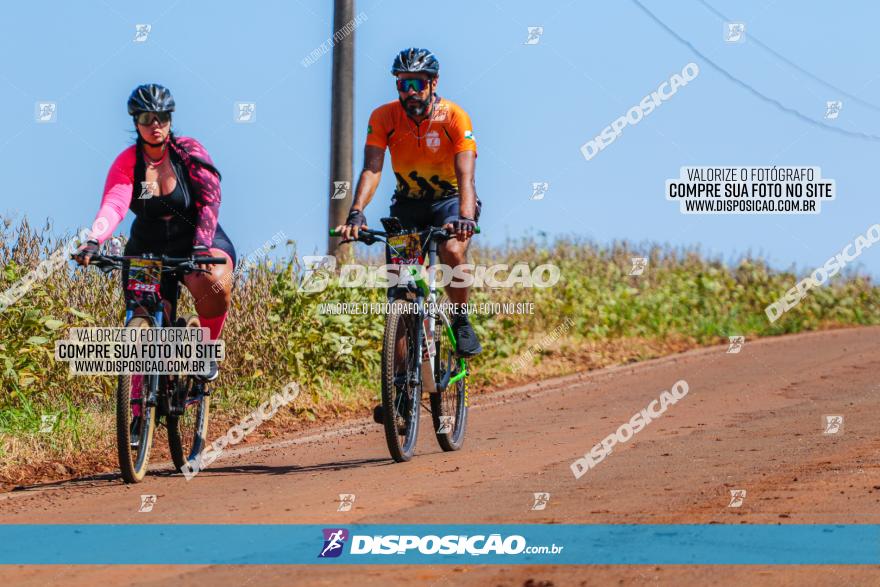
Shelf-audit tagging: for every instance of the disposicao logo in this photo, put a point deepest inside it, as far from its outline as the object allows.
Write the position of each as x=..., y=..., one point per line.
x=334, y=540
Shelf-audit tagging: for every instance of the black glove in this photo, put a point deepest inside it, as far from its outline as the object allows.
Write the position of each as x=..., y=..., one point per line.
x=463, y=224
x=87, y=251
x=356, y=218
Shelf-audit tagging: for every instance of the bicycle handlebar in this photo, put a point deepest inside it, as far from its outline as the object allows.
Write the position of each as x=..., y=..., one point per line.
x=197, y=260
x=439, y=230
x=168, y=263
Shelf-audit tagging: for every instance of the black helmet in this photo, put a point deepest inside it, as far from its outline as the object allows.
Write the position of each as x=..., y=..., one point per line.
x=150, y=98
x=415, y=60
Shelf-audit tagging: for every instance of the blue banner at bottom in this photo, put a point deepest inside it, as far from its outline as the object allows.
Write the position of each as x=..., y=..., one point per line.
x=607, y=544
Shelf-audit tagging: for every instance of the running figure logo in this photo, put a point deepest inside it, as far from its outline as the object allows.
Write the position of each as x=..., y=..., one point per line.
x=737, y=497
x=245, y=112
x=141, y=32
x=832, y=109
x=346, y=501
x=46, y=111
x=148, y=189
x=833, y=424
x=539, y=189
x=639, y=265
x=541, y=500
x=340, y=189
x=736, y=344
x=446, y=424
x=47, y=422
x=534, y=37
x=344, y=346
x=147, y=503
x=334, y=539
x=734, y=32
x=318, y=270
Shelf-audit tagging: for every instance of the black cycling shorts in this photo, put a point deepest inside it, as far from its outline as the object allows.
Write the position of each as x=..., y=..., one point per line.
x=419, y=214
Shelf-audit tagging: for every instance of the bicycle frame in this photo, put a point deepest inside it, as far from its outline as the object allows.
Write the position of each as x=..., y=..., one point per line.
x=429, y=293
x=426, y=292
x=156, y=395
x=151, y=302
x=151, y=306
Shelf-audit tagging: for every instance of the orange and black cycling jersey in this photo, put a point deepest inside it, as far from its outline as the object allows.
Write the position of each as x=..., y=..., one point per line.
x=423, y=154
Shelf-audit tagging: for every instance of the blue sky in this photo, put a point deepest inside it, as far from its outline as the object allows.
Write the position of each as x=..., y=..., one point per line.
x=532, y=107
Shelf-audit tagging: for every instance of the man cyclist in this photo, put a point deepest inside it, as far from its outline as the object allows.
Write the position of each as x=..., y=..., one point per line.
x=433, y=155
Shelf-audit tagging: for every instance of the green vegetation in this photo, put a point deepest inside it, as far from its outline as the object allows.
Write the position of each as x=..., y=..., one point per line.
x=275, y=334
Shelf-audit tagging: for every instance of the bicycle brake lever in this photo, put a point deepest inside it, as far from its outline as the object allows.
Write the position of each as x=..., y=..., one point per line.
x=191, y=268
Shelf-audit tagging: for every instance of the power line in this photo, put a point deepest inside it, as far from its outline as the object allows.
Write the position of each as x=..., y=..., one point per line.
x=759, y=43
x=750, y=89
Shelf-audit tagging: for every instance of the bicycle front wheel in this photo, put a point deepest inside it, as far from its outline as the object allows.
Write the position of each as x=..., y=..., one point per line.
x=449, y=407
x=401, y=385
x=135, y=420
x=188, y=431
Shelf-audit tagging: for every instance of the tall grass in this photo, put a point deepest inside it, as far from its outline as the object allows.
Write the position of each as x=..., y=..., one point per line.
x=275, y=334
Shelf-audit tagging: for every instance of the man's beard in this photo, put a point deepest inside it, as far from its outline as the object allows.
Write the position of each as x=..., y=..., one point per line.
x=416, y=107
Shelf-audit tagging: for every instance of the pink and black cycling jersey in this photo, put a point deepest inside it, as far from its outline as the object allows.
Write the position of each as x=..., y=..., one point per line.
x=172, y=224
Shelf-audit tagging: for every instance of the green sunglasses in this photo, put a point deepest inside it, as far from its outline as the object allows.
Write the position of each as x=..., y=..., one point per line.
x=417, y=84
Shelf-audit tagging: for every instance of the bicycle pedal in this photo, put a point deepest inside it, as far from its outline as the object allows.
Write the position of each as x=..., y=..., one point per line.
x=378, y=414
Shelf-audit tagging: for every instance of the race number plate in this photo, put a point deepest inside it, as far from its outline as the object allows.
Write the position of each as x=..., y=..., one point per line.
x=406, y=249
x=145, y=275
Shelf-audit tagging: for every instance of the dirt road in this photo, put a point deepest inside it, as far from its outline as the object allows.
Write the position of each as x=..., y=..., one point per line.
x=752, y=420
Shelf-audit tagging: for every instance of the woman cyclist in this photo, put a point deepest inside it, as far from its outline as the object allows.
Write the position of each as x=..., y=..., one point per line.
x=173, y=188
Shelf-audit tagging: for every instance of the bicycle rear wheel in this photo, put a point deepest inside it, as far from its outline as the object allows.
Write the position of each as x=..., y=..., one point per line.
x=449, y=407
x=401, y=384
x=188, y=432
x=133, y=443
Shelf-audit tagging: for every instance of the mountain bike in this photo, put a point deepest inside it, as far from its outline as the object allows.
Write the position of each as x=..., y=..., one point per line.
x=144, y=401
x=419, y=348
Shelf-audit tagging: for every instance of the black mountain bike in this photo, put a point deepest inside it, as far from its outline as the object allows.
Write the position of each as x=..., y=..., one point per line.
x=143, y=401
x=419, y=347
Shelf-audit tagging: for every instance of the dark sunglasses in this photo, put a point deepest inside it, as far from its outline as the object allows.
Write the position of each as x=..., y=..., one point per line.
x=417, y=84
x=147, y=118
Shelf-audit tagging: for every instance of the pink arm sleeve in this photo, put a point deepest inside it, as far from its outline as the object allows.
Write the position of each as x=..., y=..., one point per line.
x=207, y=186
x=117, y=196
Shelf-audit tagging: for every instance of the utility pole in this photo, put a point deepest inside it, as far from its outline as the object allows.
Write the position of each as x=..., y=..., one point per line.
x=341, y=120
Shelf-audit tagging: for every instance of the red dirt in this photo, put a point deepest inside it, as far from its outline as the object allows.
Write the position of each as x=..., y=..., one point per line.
x=750, y=421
